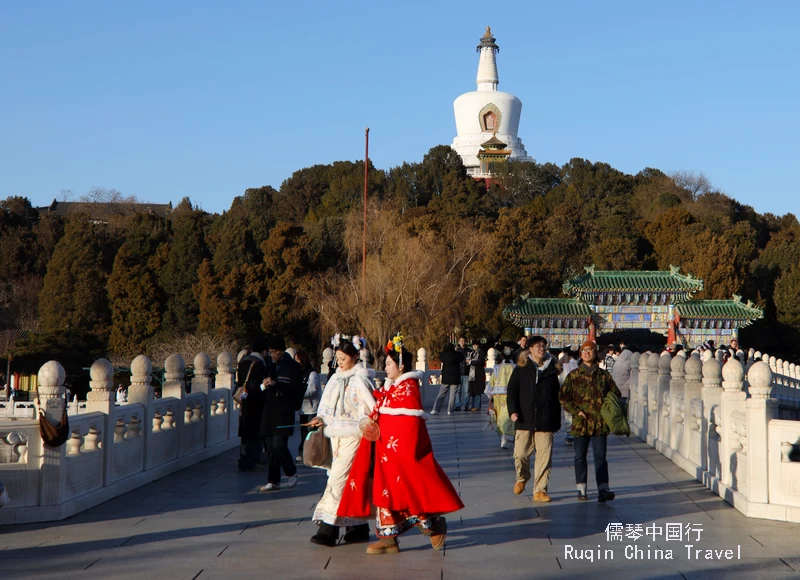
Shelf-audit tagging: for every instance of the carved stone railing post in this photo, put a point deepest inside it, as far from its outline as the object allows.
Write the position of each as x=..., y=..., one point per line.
x=663, y=399
x=101, y=399
x=51, y=400
x=642, y=414
x=712, y=401
x=732, y=404
x=693, y=409
x=226, y=371
x=174, y=377
x=203, y=379
x=676, y=389
x=141, y=392
x=761, y=409
x=422, y=360
x=324, y=368
x=652, y=398
x=633, y=385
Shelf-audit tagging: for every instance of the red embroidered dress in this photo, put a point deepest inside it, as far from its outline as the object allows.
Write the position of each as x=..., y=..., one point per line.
x=408, y=485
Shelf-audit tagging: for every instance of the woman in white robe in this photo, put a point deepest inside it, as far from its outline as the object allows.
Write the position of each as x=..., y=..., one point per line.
x=346, y=399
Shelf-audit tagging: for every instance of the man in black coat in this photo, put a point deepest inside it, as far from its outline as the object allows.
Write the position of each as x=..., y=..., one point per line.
x=283, y=397
x=534, y=407
x=452, y=362
x=253, y=368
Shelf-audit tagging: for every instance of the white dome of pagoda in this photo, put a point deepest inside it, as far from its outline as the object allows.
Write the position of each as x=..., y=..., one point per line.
x=487, y=112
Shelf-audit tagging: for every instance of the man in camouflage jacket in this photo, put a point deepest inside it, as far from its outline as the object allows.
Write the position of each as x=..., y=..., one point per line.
x=582, y=395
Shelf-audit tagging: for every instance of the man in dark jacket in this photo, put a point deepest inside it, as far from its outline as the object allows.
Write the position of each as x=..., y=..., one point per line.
x=534, y=408
x=451, y=377
x=253, y=369
x=283, y=397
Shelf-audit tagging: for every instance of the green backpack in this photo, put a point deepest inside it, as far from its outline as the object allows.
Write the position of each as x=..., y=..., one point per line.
x=615, y=415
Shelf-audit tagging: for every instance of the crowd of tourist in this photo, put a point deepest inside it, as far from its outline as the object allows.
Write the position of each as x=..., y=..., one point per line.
x=374, y=444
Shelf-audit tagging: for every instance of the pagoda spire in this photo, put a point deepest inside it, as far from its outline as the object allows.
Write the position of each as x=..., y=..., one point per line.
x=487, y=65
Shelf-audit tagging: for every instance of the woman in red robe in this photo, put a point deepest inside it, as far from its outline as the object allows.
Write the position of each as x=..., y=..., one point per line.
x=408, y=486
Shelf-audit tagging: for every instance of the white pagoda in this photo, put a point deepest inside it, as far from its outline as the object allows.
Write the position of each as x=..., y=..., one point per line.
x=487, y=117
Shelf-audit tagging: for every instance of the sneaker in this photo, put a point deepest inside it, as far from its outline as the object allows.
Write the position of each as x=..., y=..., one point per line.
x=582, y=495
x=569, y=440
x=434, y=412
x=519, y=487
x=541, y=496
x=298, y=459
x=291, y=482
x=474, y=409
x=605, y=495
x=270, y=487
x=449, y=412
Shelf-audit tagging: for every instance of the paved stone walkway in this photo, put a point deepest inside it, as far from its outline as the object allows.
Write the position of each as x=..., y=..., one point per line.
x=209, y=521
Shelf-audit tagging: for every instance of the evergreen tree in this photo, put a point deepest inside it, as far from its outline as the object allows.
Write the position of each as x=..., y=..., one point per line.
x=74, y=292
x=187, y=250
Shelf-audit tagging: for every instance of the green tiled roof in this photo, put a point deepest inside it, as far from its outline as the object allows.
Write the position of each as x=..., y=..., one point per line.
x=719, y=309
x=632, y=281
x=532, y=308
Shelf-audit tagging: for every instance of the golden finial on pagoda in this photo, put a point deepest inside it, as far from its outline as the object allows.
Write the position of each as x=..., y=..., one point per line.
x=488, y=33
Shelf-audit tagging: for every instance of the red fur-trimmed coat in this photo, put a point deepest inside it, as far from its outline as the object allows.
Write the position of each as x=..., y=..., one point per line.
x=406, y=476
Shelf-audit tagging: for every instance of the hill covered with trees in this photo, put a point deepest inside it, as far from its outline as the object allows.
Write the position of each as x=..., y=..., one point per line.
x=444, y=252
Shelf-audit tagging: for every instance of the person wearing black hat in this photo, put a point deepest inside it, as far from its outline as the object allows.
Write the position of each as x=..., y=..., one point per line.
x=283, y=397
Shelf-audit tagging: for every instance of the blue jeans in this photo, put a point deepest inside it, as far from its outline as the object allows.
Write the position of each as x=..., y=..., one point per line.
x=462, y=391
x=599, y=446
x=474, y=402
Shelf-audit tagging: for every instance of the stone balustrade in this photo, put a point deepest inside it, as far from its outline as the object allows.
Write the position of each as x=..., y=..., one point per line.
x=721, y=424
x=113, y=448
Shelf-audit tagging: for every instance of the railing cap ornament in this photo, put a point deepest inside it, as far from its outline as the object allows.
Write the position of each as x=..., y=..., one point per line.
x=712, y=369
x=174, y=365
x=102, y=371
x=51, y=374
x=760, y=379
x=141, y=366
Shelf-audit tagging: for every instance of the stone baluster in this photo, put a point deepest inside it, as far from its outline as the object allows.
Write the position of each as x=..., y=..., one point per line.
x=643, y=396
x=761, y=409
x=633, y=385
x=141, y=392
x=174, y=377
x=676, y=388
x=692, y=424
x=242, y=353
x=226, y=371
x=203, y=380
x=652, y=401
x=291, y=352
x=662, y=396
x=712, y=407
x=51, y=400
x=733, y=399
x=324, y=369
x=101, y=399
x=422, y=360
x=772, y=360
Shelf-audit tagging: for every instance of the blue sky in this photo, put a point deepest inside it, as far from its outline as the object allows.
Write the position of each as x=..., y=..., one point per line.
x=205, y=99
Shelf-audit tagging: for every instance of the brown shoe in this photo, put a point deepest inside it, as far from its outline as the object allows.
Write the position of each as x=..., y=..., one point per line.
x=541, y=496
x=437, y=541
x=474, y=409
x=383, y=546
x=519, y=487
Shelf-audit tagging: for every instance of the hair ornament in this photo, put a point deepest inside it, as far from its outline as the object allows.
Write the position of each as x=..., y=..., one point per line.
x=395, y=344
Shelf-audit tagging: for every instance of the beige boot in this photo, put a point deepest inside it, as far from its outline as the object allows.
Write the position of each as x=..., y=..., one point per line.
x=383, y=546
x=438, y=533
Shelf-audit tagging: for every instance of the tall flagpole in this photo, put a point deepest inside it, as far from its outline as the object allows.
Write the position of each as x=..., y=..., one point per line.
x=364, y=239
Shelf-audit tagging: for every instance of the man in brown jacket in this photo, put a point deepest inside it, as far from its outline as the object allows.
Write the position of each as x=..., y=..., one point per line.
x=582, y=395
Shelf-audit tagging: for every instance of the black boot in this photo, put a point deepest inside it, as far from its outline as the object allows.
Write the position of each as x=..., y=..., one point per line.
x=327, y=535
x=356, y=534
